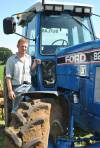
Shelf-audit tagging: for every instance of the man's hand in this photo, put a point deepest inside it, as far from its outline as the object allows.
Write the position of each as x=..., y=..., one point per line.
x=37, y=61
x=11, y=95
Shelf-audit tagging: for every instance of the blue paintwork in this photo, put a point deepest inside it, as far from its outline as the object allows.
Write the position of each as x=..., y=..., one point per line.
x=67, y=78
x=80, y=47
x=97, y=145
x=86, y=112
x=62, y=143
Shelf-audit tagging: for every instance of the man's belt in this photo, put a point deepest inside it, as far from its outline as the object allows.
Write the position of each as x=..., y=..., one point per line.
x=26, y=82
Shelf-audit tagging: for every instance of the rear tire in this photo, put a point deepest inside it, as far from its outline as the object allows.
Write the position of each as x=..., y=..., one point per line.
x=30, y=125
x=35, y=121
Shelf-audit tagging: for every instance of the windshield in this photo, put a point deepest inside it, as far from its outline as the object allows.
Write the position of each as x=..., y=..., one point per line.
x=58, y=31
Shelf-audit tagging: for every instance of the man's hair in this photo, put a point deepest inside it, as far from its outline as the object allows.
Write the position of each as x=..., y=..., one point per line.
x=22, y=40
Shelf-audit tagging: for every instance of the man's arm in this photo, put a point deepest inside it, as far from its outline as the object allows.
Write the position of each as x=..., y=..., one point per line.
x=9, y=74
x=11, y=93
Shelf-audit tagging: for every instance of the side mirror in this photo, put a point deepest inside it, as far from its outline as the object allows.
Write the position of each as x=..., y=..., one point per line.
x=9, y=25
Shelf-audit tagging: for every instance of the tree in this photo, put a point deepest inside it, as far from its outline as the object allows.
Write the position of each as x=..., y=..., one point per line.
x=5, y=53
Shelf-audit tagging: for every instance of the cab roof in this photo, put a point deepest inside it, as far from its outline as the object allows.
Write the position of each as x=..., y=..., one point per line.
x=39, y=7
x=67, y=5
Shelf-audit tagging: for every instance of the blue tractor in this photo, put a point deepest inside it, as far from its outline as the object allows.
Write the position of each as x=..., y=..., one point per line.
x=62, y=36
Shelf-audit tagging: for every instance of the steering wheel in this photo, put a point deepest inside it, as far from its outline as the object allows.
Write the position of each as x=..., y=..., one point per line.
x=64, y=42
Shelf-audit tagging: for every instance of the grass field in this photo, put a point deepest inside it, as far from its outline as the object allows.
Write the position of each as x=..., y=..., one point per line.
x=2, y=135
x=1, y=82
x=1, y=72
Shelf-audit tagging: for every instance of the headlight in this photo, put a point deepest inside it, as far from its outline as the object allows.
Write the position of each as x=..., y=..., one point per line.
x=87, y=10
x=55, y=8
x=48, y=7
x=78, y=9
x=82, y=10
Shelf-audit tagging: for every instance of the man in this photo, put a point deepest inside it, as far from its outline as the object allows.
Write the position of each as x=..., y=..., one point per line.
x=18, y=72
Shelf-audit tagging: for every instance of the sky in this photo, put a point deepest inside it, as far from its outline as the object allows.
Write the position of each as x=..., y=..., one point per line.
x=10, y=7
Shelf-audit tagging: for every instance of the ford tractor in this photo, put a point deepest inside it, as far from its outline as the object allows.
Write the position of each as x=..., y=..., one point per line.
x=64, y=109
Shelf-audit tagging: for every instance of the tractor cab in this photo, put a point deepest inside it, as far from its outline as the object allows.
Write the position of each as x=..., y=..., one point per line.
x=50, y=27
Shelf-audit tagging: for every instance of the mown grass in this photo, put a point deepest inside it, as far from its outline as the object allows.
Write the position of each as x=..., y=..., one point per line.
x=1, y=72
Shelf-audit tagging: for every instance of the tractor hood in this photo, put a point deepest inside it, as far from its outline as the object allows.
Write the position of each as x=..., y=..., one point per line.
x=80, y=47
